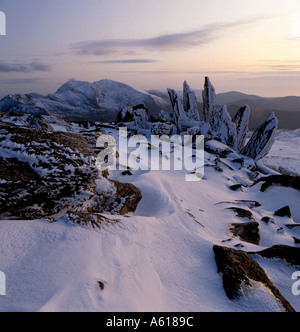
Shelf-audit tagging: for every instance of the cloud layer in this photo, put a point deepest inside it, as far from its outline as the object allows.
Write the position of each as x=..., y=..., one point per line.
x=24, y=68
x=169, y=42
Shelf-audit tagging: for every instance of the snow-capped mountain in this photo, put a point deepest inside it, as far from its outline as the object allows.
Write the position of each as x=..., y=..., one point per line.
x=84, y=101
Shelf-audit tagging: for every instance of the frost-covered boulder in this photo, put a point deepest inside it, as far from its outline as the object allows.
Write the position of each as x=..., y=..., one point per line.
x=241, y=121
x=190, y=103
x=209, y=101
x=181, y=120
x=161, y=128
x=224, y=128
x=46, y=173
x=262, y=139
x=140, y=117
x=164, y=116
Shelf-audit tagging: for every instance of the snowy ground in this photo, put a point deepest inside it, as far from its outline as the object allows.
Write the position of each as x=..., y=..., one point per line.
x=159, y=259
x=285, y=154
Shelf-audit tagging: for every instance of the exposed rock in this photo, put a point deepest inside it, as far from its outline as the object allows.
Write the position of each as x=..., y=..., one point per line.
x=126, y=114
x=236, y=187
x=44, y=173
x=296, y=240
x=247, y=232
x=280, y=180
x=209, y=101
x=128, y=195
x=242, y=213
x=240, y=269
x=267, y=220
x=241, y=121
x=224, y=128
x=284, y=212
x=287, y=253
x=262, y=139
x=190, y=103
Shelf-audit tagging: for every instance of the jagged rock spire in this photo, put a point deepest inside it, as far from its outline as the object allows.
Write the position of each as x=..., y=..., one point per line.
x=190, y=102
x=209, y=101
x=262, y=139
x=224, y=128
x=241, y=121
x=181, y=120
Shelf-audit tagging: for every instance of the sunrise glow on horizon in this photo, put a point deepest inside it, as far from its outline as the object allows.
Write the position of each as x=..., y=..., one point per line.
x=251, y=47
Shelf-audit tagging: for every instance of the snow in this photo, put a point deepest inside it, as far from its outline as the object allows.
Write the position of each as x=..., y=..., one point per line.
x=159, y=259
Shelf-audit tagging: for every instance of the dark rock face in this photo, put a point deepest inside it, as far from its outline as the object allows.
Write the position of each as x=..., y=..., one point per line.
x=248, y=232
x=280, y=180
x=284, y=212
x=289, y=254
x=242, y=213
x=239, y=269
x=126, y=114
x=262, y=139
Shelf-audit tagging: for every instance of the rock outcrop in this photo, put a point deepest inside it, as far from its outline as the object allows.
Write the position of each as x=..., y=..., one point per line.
x=190, y=103
x=240, y=270
x=241, y=121
x=262, y=139
x=224, y=128
x=140, y=117
x=46, y=173
x=209, y=101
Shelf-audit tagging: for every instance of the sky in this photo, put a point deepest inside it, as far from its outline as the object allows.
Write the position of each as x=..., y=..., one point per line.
x=247, y=46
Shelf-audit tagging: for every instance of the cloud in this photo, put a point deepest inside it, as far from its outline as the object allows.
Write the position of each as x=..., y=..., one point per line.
x=24, y=68
x=21, y=81
x=168, y=42
x=126, y=61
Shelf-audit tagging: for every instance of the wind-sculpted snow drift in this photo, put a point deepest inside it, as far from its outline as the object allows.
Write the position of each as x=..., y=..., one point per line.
x=174, y=245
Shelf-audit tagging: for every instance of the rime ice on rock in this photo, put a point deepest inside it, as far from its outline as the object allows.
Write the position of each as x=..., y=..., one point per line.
x=224, y=128
x=140, y=118
x=126, y=114
x=164, y=116
x=241, y=121
x=181, y=120
x=262, y=139
x=209, y=101
x=190, y=103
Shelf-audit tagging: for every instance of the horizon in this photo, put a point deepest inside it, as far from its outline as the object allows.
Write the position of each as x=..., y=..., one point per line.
x=152, y=45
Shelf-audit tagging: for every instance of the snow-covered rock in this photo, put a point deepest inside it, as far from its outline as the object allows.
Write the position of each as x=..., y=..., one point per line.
x=190, y=102
x=161, y=128
x=164, y=116
x=126, y=114
x=241, y=120
x=180, y=117
x=140, y=118
x=209, y=101
x=224, y=128
x=45, y=173
x=262, y=139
